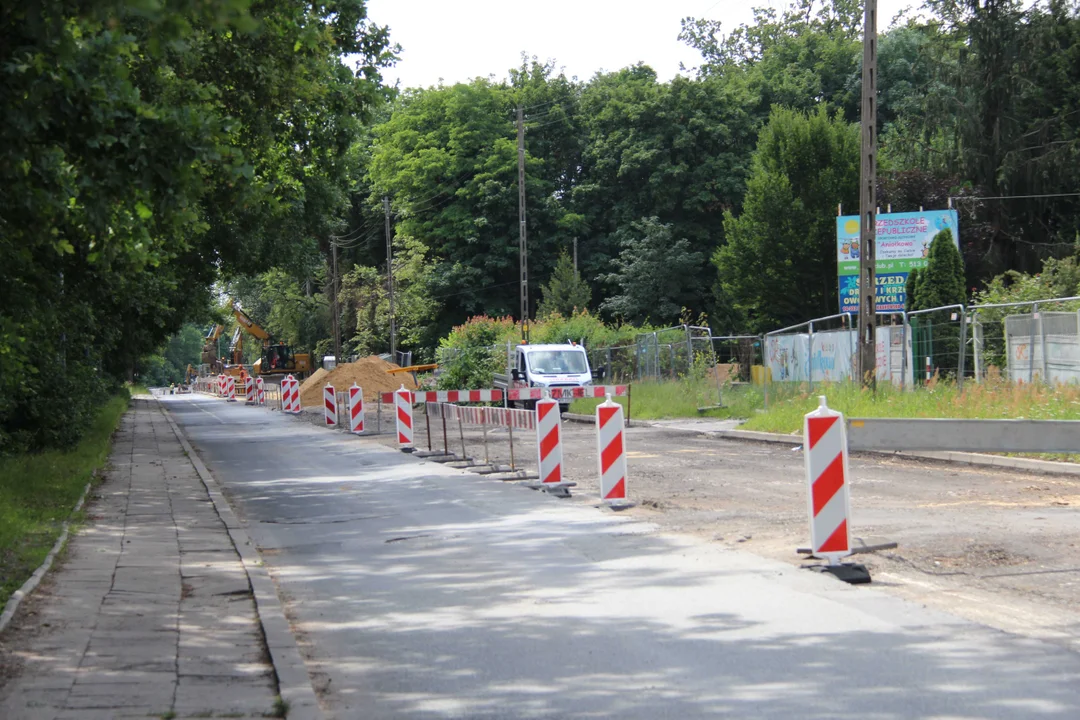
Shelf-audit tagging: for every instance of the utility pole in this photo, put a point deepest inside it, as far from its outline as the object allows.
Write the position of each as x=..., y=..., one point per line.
x=335, y=322
x=523, y=246
x=868, y=202
x=390, y=278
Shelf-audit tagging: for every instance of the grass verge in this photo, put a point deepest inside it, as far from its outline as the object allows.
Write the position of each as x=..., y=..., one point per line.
x=682, y=398
x=38, y=491
x=992, y=398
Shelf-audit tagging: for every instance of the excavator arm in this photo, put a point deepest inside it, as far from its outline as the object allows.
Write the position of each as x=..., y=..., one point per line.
x=250, y=326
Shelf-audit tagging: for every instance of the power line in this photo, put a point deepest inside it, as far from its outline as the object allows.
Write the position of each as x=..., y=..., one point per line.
x=1010, y=197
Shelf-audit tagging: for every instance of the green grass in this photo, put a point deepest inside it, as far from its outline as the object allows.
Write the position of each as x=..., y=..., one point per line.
x=138, y=389
x=682, y=398
x=993, y=398
x=38, y=491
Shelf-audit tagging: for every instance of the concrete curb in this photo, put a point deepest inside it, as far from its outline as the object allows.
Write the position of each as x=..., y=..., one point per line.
x=964, y=458
x=294, y=684
x=12, y=605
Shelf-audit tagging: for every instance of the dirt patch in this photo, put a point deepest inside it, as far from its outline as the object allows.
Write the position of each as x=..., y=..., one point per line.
x=369, y=373
x=315, y=380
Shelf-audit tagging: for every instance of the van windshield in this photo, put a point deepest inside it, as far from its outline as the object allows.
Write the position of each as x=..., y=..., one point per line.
x=557, y=362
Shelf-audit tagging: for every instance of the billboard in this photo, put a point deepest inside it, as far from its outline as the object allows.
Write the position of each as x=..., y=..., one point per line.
x=903, y=241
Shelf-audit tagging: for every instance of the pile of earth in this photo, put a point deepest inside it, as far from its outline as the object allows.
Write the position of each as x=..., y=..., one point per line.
x=369, y=373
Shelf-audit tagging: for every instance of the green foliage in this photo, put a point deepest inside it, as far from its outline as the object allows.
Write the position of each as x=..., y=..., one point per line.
x=911, y=289
x=654, y=274
x=170, y=365
x=778, y=267
x=941, y=282
x=474, y=351
x=566, y=292
x=143, y=149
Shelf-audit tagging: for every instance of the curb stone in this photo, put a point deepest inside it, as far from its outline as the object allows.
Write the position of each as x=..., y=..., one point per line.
x=294, y=684
x=965, y=458
x=32, y=582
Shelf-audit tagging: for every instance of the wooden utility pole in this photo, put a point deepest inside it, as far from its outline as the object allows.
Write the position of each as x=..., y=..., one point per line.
x=523, y=246
x=390, y=278
x=868, y=202
x=335, y=320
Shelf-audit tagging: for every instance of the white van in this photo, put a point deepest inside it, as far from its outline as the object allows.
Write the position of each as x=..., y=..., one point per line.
x=547, y=366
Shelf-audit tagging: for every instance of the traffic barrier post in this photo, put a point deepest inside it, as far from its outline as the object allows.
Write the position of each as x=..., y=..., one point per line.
x=329, y=395
x=230, y=388
x=611, y=452
x=403, y=412
x=825, y=453
x=549, y=441
x=249, y=390
x=356, y=409
x=260, y=392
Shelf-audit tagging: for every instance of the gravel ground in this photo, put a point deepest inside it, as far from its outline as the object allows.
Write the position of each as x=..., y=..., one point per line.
x=995, y=546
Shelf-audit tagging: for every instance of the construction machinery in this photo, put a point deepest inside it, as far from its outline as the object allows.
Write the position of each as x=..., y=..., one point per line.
x=277, y=357
x=210, y=347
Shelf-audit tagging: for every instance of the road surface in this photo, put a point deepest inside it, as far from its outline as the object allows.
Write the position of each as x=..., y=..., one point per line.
x=419, y=591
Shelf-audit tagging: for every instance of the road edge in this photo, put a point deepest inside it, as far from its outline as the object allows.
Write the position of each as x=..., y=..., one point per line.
x=294, y=683
x=965, y=458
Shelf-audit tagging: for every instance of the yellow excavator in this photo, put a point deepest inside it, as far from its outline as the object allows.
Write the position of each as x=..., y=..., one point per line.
x=277, y=357
x=209, y=348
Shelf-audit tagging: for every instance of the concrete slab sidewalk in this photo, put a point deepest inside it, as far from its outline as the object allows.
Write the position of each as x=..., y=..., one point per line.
x=150, y=613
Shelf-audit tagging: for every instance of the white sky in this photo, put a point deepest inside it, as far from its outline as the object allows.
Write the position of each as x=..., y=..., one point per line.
x=460, y=39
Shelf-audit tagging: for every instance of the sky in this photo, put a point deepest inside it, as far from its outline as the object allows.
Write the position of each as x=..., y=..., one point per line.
x=455, y=40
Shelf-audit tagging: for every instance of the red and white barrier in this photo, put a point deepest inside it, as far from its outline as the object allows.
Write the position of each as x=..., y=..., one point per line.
x=549, y=441
x=329, y=401
x=403, y=411
x=230, y=388
x=562, y=393
x=826, y=454
x=611, y=450
x=221, y=386
x=447, y=396
x=510, y=418
x=249, y=390
x=356, y=409
x=260, y=392
x=290, y=395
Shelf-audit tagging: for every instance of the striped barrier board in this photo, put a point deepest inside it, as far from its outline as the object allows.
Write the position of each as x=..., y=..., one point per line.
x=260, y=392
x=230, y=388
x=611, y=451
x=562, y=393
x=249, y=390
x=403, y=411
x=825, y=453
x=549, y=441
x=329, y=399
x=356, y=409
x=448, y=396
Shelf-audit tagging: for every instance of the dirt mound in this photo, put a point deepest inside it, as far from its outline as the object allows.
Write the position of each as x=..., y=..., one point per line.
x=316, y=379
x=369, y=373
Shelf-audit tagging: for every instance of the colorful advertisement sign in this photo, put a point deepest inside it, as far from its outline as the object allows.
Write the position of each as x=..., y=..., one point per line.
x=903, y=241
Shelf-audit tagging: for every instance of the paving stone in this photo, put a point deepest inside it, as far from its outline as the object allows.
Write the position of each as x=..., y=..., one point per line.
x=150, y=611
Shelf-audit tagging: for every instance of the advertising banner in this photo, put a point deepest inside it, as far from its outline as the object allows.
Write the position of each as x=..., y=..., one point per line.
x=903, y=242
x=829, y=356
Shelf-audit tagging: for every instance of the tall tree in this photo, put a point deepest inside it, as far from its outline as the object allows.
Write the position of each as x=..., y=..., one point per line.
x=779, y=264
x=566, y=291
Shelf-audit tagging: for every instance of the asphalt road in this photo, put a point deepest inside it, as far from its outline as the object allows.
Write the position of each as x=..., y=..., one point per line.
x=419, y=591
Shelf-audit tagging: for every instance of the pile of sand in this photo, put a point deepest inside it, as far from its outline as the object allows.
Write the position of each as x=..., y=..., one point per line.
x=316, y=378
x=369, y=373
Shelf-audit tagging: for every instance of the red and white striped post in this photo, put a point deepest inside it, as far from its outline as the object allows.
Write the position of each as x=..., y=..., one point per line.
x=403, y=406
x=549, y=441
x=356, y=409
x=290, y=395
x=221, y=385
x=611, y=450
x=260, y=392
x=929, y=372
x=826, y=454
x=329, y=401
x=230, y=388
x=249, y=390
